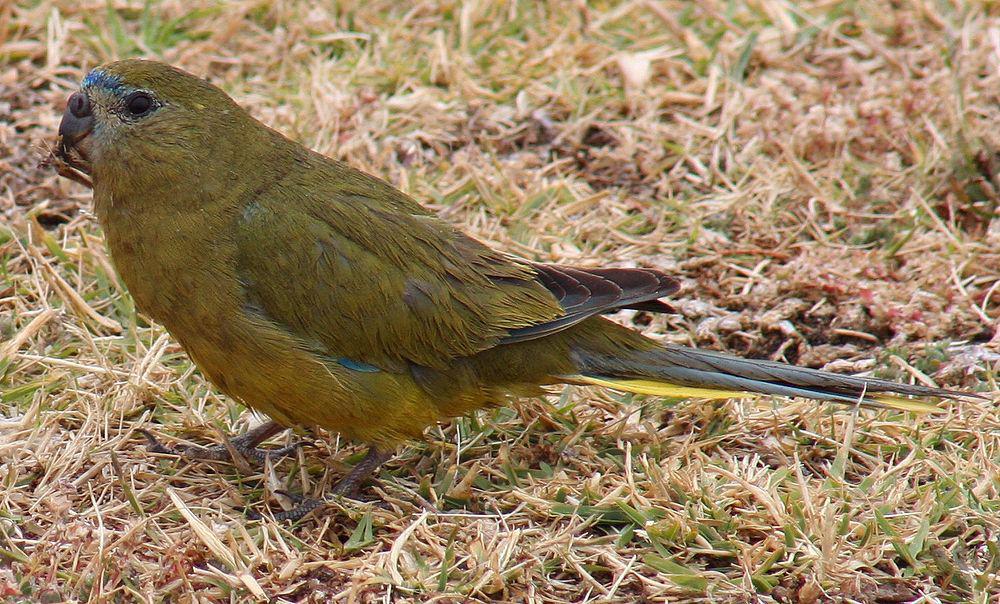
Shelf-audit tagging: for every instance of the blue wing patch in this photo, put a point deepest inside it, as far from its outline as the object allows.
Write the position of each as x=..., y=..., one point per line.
x=357, y=365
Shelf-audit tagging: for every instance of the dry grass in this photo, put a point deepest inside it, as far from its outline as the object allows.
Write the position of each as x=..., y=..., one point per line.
x=822, y=175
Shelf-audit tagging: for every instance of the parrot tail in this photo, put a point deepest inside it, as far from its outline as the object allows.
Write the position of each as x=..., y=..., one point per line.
x=678, y=371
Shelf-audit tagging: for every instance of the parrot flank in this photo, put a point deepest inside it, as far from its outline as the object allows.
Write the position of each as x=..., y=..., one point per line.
x=322, y=296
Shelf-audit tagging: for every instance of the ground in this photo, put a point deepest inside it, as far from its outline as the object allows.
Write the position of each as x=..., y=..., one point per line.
x=822, y=176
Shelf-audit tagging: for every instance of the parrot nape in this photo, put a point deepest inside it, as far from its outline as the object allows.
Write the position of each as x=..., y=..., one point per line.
x=320, y=295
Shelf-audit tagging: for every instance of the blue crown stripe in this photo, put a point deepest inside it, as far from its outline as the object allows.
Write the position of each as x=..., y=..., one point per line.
x=99, y=79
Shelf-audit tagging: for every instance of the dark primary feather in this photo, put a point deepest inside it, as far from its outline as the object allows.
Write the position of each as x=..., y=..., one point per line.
x=583, y=293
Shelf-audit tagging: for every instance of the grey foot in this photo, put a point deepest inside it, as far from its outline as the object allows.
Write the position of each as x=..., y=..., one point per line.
x=349, y=486
x=245, y=445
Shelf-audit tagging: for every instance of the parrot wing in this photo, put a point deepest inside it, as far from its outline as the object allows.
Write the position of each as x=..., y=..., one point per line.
x=373, y=277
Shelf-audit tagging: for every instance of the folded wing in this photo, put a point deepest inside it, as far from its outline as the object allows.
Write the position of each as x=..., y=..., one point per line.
x=367, y=274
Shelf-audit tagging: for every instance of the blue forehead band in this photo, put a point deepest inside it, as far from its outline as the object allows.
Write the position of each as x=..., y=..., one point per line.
x=98, y=79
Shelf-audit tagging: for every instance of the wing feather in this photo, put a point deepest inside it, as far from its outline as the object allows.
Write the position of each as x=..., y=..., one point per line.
x=359, y=270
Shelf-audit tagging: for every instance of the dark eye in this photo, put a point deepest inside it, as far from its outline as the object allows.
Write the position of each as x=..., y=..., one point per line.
x=139, y=104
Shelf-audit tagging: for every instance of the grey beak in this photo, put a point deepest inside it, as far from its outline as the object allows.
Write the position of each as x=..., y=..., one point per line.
x=78, y=120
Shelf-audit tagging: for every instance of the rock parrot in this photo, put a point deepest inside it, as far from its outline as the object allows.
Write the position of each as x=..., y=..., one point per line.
x=320, y=295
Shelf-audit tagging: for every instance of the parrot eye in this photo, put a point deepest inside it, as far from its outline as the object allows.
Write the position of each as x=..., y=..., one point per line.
x=139, y=104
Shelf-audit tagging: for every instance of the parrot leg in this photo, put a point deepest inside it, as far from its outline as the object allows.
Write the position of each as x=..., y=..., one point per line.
x=347, y=487
x=245, y=445
x=350, y=485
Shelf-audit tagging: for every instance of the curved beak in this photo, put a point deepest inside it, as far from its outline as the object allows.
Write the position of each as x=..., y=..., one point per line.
x=78, y=119
x=77, y=123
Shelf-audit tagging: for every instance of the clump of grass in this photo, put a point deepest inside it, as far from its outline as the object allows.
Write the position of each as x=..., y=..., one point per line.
x=820, y=174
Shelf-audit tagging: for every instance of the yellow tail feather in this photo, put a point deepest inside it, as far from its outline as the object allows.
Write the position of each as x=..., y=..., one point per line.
x=903, y=403
x=657, y=388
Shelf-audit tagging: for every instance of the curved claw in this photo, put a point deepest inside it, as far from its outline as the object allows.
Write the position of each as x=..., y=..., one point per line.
x=154, y=445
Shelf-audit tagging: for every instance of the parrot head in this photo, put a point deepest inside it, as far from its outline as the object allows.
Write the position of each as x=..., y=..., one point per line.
x=136, y=120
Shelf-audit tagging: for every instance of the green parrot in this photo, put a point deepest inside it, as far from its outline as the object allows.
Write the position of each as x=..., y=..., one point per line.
x=322, y=296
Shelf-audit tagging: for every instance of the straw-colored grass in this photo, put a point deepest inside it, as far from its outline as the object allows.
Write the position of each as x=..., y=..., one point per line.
x=821, y=175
